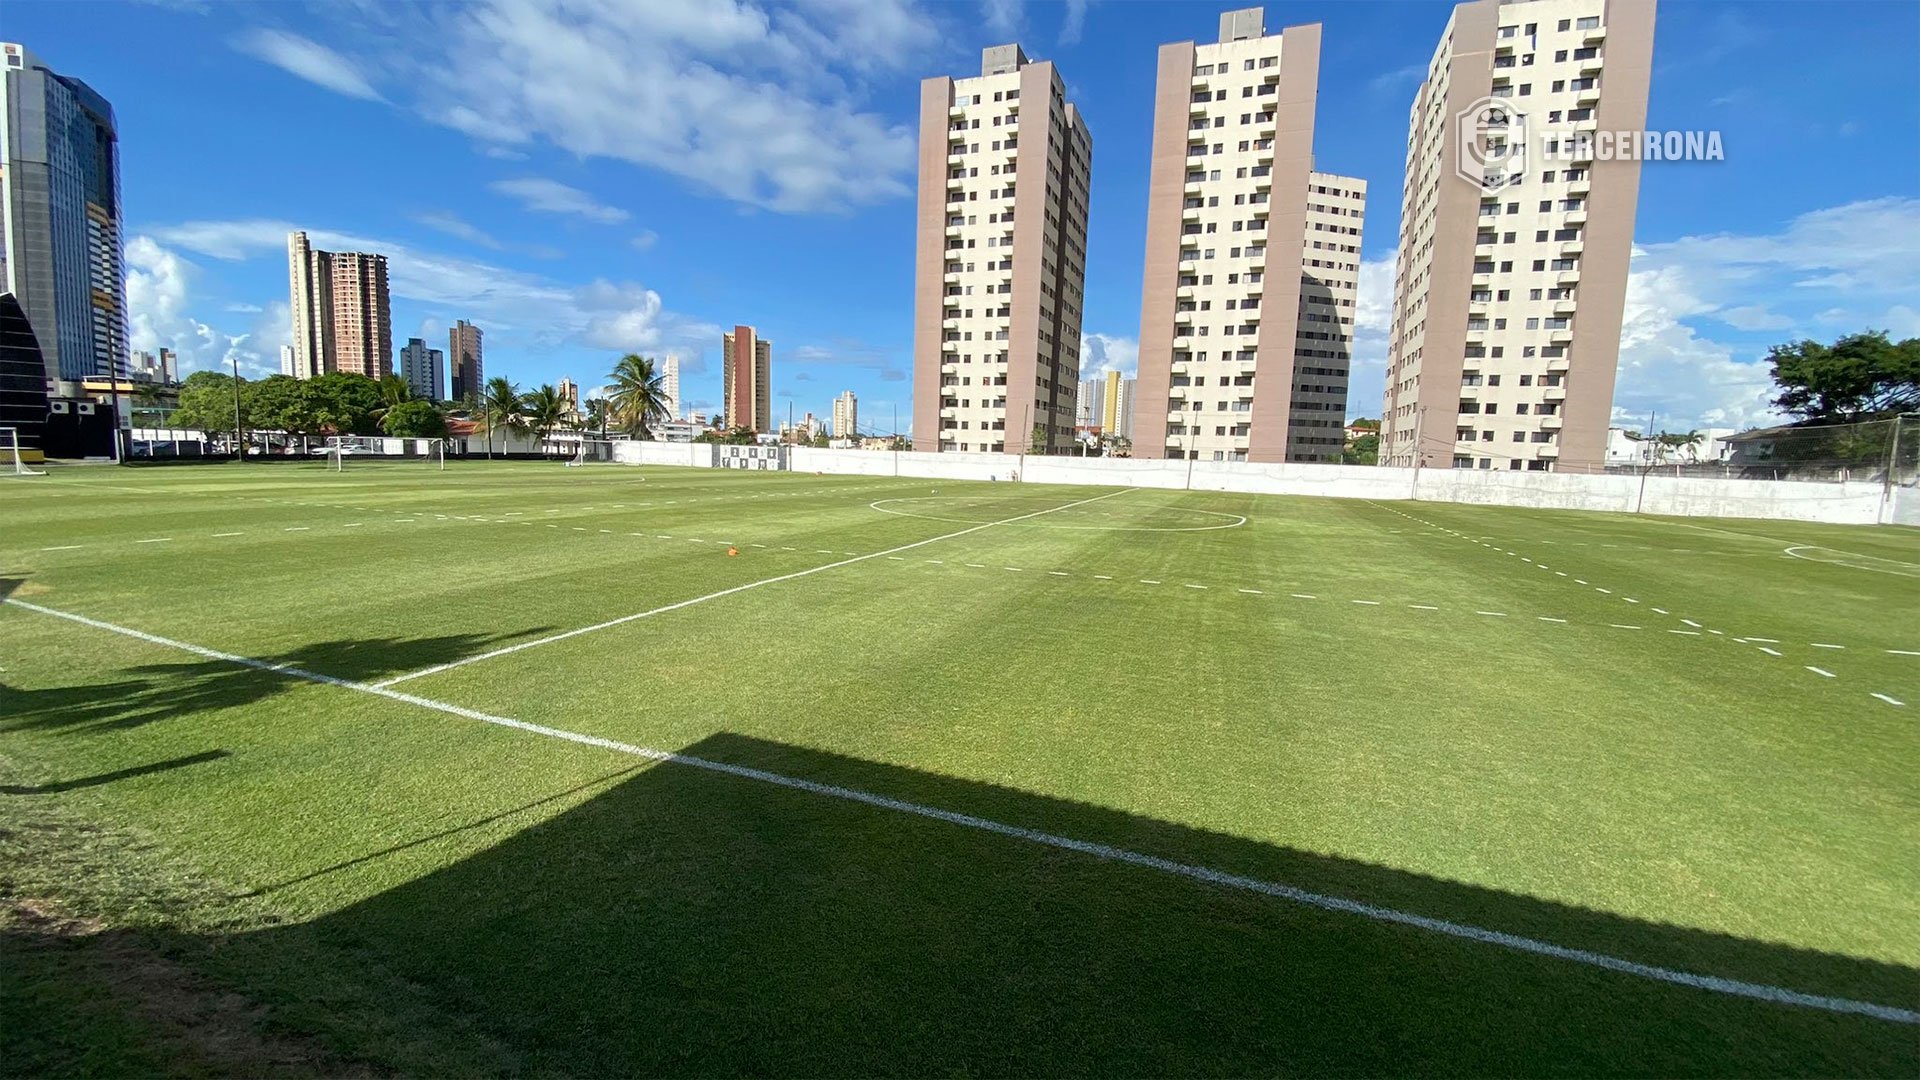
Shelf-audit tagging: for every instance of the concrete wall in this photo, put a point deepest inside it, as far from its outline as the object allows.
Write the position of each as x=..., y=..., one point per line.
x=1855, y=503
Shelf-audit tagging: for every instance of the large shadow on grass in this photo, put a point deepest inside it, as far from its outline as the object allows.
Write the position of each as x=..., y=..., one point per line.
x=184, y=688
x=686, y=921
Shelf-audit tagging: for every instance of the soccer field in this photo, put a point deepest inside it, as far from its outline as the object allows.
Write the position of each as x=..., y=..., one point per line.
x=610, y=770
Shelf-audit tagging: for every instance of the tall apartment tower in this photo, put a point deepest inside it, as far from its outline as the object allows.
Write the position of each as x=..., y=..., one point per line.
x=1089, y=408
x=1253, y=257
x=342, y=320
x=1116, y=405
x=61, y=245
x=1514, y=241
x=746, y=377
x=846, y=416
x=1001, y=259
x=463, y=361
x=421, y=367
x=670, y=383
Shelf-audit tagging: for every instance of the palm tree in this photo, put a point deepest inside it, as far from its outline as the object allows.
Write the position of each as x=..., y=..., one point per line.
x=502, y=407
x=597, y=416
x=394, y=390
x=639, y=398
x=545, y=410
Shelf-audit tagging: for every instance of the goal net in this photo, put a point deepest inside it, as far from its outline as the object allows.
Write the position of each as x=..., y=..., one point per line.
x=431, y=452
x=14, y=456
x=591, y=451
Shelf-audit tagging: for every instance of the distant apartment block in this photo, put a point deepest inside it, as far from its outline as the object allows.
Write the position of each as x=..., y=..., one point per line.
x=422, y=368
x=342, y=319
x=1509, y=291
x=846, y=416
x=746, y=377
x=466, y=377
x=61, y=243
x=1117, y=405
x=286, y=360
x=1088, y=403
x=1253, y=256
x=569, y=394
x=670, y=384
x=1000, y=260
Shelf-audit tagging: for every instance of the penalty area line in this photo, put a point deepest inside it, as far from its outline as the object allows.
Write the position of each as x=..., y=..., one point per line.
x=1712, y=983
x=664, y=609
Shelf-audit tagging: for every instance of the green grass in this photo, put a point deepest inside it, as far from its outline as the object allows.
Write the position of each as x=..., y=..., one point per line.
x=349, y=882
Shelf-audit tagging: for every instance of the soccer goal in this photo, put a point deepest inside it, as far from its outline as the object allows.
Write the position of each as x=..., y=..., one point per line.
x=339, y=448
x=431, y=452
x=13, y=456
x=591, y=450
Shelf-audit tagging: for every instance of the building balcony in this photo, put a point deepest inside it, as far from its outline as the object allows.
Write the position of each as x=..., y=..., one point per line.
x=1190, y=213
x=1568, y=277
x=1183, y=317
x=1184, y=292
x=1483, y=278
x=1563, y=307
x=1575, y=217
x=1588, y=96
x=1572, y=247
x=1256, y=288
x=1483, y=248
x=1196, y=108
x=1266, y=127
x=1579, y=187
x=1593, y=35
x=954, y=230
x=1559, y=363
x=1590, y=64
x=1550, y=423
x=1189, y=265
x=957, y=111
x=1562, y=336
x=1590, y=124
x=1546, y=450
x=951, y=277
x=956, y=159
x=1555, y=393
x=1197, y=162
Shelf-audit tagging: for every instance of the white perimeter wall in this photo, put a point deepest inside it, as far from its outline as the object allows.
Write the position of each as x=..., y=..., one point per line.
x=1843, y=504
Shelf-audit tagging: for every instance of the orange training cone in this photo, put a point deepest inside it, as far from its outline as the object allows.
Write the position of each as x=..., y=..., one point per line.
x=732, y=551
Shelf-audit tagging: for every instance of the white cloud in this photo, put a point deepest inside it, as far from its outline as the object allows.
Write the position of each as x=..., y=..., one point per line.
x=1765, y=289
x=453, y=225
x=308, y=60
x=1075, y=22
x=1372, y=316
x=645, y=240
x=159, y=295
x=1108, y=352
x=1004, y=17
x=501, y=153
x=532, y=311
x=761, y=104
x=552, y=197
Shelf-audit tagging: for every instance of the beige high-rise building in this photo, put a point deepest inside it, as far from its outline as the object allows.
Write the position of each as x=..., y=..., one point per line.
x=846, y=416
x=670, y=383
x=569, y=394
x=1116, y=405
x=342, y=319
x=466, y=377
x=1253, y=258
x=746, y=379
x=1001, y=259
x=1514, y=241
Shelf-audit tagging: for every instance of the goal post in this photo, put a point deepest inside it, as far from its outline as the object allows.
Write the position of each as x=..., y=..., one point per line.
x=591, y=451
x=13, y=456
x=429, y=452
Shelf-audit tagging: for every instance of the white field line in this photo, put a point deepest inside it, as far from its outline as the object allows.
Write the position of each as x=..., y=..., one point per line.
x=1712, y=983
x=1888, y=700
x=624, y=619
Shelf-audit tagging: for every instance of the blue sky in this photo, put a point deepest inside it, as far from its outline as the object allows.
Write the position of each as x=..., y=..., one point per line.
x=593, y=177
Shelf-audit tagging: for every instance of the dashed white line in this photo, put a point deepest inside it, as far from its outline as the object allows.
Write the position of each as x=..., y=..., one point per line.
x=1769, y=652
x=1423, y=607
x=77, y=547
x=229, y=534
x=1622, y=626
x=1688, y=633
x=1823, y=645
x=1548, y=618
x=1304, y=596
x=1190, y=585
x=155, y=540
x=1496, y=614
x=1691, y=623
x=1821, y=672
x=1894, y=652
x=1367, y=603
x=1890, y=700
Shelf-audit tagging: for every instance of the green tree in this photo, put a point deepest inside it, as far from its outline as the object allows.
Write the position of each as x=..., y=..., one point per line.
x=343, y=403
x=414, y=420
x=502, y=408
x=206, y=402
x=1364, y=450
x=545, y=411
x=639, y=397
x=281, y=403
x=394, y=390
x=598, y=416
x=1855, y=377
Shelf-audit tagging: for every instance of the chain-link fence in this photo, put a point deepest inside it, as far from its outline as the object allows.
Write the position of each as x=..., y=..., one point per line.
x=1871, y=451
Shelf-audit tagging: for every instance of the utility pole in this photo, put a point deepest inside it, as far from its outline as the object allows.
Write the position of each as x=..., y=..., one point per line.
x=239, y=431
x=1419, y=421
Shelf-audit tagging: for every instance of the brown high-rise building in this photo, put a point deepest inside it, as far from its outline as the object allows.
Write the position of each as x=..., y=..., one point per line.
x=1001, y=259
x=463, y=361
x=1511, y=281
x=1253, y=257
x=342, y=320
x=746, y=375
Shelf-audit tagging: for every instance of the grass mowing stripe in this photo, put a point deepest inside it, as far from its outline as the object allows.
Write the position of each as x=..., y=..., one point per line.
x=624, y=619
x=1715, y=984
